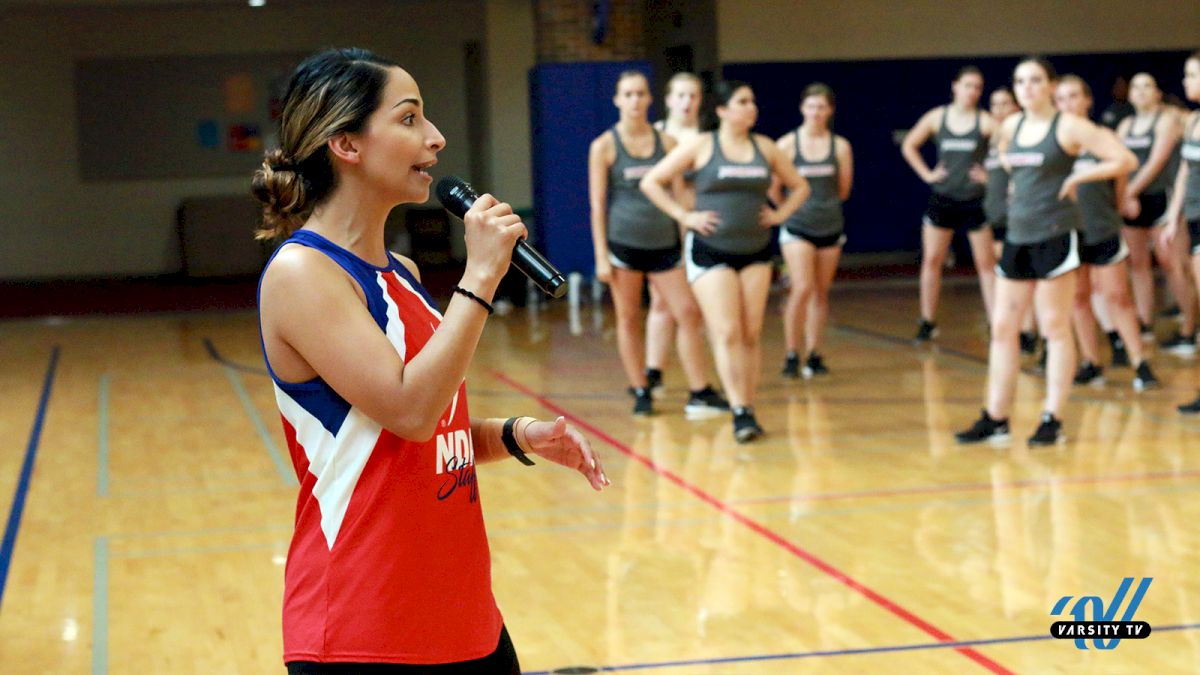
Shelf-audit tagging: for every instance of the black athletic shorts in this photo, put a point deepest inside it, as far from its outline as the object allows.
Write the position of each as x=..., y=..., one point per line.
x=1153, y=206
x=951, y=214
x=648, y=260
x=999, y=229
x=503, y=661
x=1107, y=252
x=700, y=258
x=1043, y=260
x=1194, y=231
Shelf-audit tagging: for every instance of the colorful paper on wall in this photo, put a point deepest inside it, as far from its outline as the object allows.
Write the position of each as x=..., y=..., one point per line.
x=208, y=134
x=239, y=94
x=244, y=138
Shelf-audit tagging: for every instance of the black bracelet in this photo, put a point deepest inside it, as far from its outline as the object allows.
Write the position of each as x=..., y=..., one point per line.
x=462, y=291
x=510, y=442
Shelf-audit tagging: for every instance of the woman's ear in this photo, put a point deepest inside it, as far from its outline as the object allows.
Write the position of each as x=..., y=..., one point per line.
x=344, y=147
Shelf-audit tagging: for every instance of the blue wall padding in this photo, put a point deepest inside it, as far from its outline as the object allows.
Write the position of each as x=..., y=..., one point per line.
x=570, y=104
x=875, y=98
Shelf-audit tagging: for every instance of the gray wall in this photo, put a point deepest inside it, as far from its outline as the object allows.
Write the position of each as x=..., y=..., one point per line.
x=54, y=225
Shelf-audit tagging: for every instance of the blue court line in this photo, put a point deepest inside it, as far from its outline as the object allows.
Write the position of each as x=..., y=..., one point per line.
x=285, y=471
x=100, y=608
x=102, y=440
x=851, y=652
x=22, y=490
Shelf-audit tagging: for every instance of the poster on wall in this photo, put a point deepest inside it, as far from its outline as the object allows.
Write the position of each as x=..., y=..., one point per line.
x=244, y=138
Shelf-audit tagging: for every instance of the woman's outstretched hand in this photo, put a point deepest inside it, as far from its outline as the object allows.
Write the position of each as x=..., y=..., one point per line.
x=562, y=443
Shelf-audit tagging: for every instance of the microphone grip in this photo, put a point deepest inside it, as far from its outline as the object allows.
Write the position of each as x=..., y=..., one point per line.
x=534, y=265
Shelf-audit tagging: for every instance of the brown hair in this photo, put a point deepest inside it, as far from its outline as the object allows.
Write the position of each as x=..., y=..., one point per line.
x=626, y=74
x=330, y=93
x=1051, y=73
x=967, y=70
x=683, y=77
x=819, y=89
x=1072, y=78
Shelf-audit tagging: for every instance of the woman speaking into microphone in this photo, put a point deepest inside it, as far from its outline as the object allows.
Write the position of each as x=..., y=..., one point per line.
x=369, y=379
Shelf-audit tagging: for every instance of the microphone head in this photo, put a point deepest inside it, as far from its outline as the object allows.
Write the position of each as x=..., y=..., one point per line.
x=456, y=195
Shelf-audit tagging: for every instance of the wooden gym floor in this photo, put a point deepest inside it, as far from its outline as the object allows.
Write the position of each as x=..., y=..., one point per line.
x=151, y=502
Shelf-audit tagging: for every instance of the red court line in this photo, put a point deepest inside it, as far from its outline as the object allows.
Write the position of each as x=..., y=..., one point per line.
x=870, y=594
x=971, y=487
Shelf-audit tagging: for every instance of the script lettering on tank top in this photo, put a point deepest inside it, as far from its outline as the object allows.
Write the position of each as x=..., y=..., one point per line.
x=959, y=145
x=1026, y=159
x=1138, y=142
x=456, y=459
x=1191, y=152
x=728, y=171
x=637, y=172
x=816, y=170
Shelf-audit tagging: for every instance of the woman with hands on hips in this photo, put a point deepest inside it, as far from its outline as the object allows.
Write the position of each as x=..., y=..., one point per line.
x=369, y=379
x=727, y=245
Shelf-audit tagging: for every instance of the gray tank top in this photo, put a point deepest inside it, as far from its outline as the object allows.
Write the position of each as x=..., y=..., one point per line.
x=736, y=191
x=1035, y=212
x=821, y=214
x=1141, y=145
x=995, y=198
x=1189, y=151
x=1097, y=204
x=632, y=219
x=957, y=153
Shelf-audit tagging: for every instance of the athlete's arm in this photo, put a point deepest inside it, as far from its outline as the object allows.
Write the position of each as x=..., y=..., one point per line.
x=314, y=318
x=1081, y=135
x=669, y=168
x=910, y=148
x=845, y=158
x=1166, y=135
x=556, y=441
x=601, y=156
x=785, y=171
x=787, y=146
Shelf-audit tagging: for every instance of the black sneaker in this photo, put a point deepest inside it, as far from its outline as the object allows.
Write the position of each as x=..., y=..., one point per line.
x=1147, y=332
x=1029, y=341
x=1048, y=432
x=643, y=403
x=926, y=331
x=814, y=366
x=1183, y=345
x=1144, y=378
x=791, y=365
x=745, y=427
x=705, y=403
x=1190, y=408
x=1089, y=373
x=654, y=382
x=1120, y=357
x=984, y=429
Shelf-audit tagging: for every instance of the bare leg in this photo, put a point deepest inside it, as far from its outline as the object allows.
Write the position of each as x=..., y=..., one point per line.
x=1004, y=355
x=985, y=265
x=672, y=289
x=1138, y=240
x=818, y=314
x=720, y=298
x=1171, y=258
x=1084, y=320
x=802, y=271
x=626, y=288
x=659, y=328
x=1054, y=300
x=1112, y=282
x=935, y=242
x=755, y=283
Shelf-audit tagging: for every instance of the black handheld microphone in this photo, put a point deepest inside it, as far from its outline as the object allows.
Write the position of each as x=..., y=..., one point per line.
x=457, y=196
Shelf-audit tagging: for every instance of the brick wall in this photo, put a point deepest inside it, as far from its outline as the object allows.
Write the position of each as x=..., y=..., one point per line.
x=565, y=29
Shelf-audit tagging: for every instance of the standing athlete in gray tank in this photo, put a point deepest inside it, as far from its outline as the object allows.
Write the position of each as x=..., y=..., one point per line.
x=634, y=241
x=1102, y=256
x=1041, y=251
x=1184, y=210
x=726, y=248
x=961, y=132
x=811, y=239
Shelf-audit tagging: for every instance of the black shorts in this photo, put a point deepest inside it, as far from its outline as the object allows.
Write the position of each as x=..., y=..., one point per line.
x=1043, y=260
x=1153, y=206
x=1107, y=252
x=1194, y=231
x=787, y=236
x=999, y=229
x=503, y=661
x=700, y=258
x=648, y=260
x=951, y=214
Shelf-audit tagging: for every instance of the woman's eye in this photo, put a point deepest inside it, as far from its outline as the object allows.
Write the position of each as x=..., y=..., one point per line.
x=409, y=119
